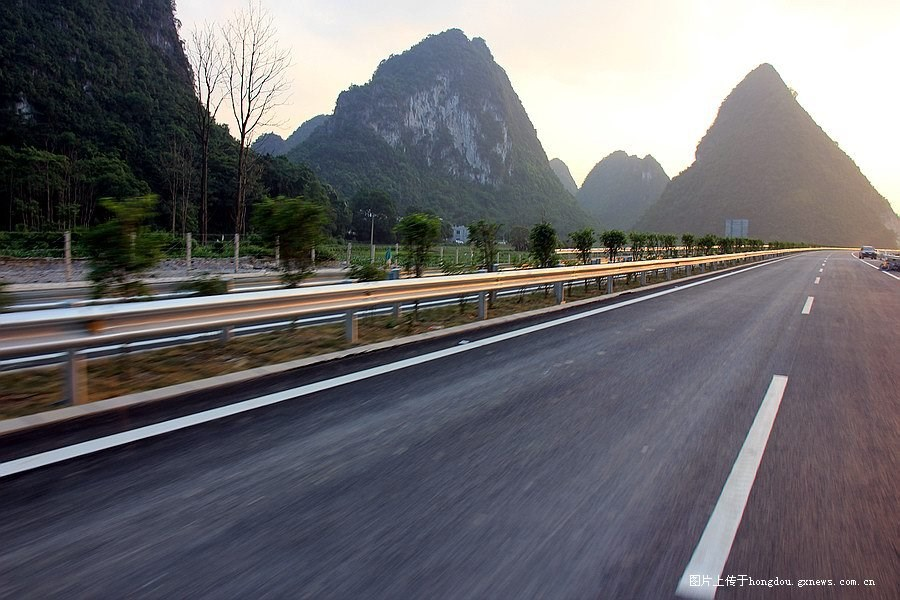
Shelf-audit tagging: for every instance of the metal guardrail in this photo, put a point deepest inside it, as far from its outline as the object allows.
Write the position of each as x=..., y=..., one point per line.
x=72, y=330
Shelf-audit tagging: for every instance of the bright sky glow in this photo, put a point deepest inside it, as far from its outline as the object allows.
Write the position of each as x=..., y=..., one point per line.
x=595, y=76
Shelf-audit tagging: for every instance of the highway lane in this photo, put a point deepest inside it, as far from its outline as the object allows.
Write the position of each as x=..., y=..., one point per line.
x=826, y=504
x=582, y=461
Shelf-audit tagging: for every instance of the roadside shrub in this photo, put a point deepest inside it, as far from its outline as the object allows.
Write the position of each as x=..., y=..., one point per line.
x=455, y=269
x=205, y=286
x=32, y=244
x=326, y=254
x=367, y=272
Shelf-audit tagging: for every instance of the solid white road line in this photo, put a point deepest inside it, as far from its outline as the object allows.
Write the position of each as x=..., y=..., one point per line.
x=711, y=554
x=807, y=308
x=877, y=268
x=817, y=280
x=104, y=443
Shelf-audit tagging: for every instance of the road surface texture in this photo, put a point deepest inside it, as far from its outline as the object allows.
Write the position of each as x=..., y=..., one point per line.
x=580, y=460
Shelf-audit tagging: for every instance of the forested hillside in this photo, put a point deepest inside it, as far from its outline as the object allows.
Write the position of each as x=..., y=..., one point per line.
x=97, y=100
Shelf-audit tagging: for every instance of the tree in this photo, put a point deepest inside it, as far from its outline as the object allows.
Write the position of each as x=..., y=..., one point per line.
x=373, y=216
x=298, y=225
x=613, y=240
x=726, y=245
x=543, y=243
x=483, y=237
x=652, y=241
x=668, y=242
x=638, y=240
x=256, y=73
x=281, y=177
x=707, y=242
x=179, y=163
x=121, y=249
x=418, y=232
x=583, y=241
x=205, y=52
x=518, y=238
x=687, y=240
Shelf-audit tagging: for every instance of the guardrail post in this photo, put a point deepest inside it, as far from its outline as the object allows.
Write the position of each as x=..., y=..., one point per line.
x=482, y=306
x=609, y=284
x=560, y=291
x=227, y=334
x=670, y=272
x=398, y=311
x=76, y=378
x=188, y=245
x=702, y=268
x=643, y=278
x=351, y=331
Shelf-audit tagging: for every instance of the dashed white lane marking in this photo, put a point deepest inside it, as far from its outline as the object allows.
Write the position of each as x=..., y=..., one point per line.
x=817, y=280
x=807, y=308
x=50, y=457
x=821, y=270
x=712, y=550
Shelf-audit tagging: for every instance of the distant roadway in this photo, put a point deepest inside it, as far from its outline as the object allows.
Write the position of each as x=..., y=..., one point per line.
x=716, y=440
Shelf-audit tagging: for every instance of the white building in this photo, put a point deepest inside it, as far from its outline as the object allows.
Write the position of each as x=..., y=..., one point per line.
x=460, y=234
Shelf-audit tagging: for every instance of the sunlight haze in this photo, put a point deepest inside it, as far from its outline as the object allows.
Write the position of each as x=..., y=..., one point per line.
x=646, y=77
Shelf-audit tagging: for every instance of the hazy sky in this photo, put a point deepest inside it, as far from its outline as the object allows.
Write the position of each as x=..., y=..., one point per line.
x=644, y=76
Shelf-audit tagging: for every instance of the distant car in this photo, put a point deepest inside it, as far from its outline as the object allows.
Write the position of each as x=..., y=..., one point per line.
x=868, y=252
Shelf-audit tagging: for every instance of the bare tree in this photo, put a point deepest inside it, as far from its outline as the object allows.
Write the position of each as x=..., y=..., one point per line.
x=256, y=73
x=179, y=163
x=208, y=60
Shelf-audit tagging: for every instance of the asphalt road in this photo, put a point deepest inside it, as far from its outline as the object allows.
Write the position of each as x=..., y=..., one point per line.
x=582, y=460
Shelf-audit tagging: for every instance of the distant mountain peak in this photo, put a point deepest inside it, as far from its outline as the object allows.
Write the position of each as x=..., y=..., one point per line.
x=764, y=158
x=439, y=126
x=621, y=187
x=273, y=144
x=565, y=175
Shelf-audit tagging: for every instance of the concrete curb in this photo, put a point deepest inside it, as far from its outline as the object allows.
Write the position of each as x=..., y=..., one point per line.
x=52, y=417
